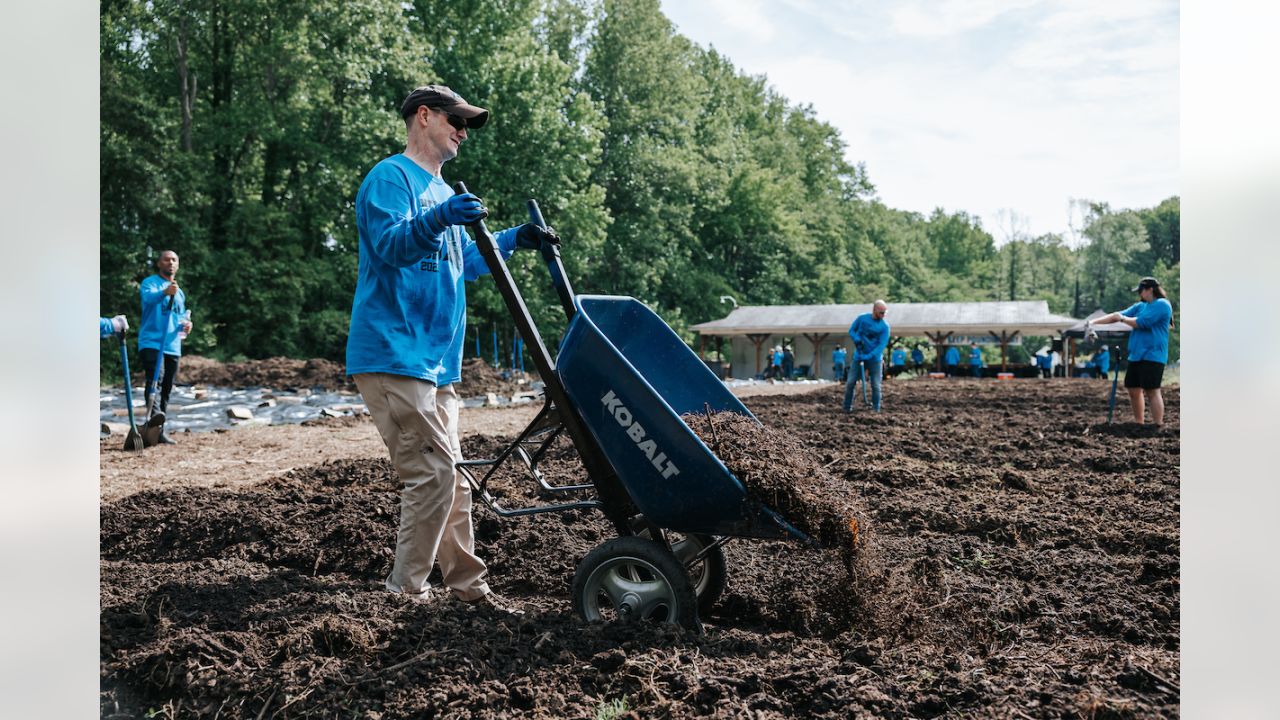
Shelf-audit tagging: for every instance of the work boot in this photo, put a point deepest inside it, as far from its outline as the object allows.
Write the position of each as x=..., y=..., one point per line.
x=421, y=596
x=492, y=601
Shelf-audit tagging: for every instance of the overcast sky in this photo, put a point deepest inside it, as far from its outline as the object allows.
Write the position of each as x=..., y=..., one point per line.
x=974, y=105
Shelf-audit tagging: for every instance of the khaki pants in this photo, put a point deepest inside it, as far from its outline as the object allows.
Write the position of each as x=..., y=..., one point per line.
x=419, y=424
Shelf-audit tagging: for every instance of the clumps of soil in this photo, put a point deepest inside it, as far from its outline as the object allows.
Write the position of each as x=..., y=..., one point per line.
x=783, y=476
x=978, y=598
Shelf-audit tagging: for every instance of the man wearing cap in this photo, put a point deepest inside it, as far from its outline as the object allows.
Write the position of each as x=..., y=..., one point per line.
x=1151, y=318
x=408, y=322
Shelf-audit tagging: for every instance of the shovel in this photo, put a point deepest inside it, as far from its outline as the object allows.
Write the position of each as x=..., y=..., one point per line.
x=863, y=365
x=132, y=441
x=155, y=417
x=1115, y=378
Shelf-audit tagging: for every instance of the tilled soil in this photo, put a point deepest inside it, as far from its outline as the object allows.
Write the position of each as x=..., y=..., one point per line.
x=1023, y=563
x=478, y=377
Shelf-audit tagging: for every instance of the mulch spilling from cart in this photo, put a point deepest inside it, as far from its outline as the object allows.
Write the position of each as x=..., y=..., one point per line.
x=1026, y=564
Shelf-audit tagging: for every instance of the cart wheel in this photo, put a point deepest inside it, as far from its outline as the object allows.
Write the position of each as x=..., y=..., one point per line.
x=708, y=576
x=629, y=579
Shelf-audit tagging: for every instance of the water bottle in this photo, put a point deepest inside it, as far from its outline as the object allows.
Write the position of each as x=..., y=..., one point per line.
x=182, y=324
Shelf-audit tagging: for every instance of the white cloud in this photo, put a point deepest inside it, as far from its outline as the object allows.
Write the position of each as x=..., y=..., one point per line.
x=950, y=17
x=747, y=17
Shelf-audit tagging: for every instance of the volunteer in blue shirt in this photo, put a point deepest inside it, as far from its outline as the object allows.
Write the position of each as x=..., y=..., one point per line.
x=1044, y=361
x=408, y=323
x=164, y=307
x=1151, y=318
x=837, y=362
x=897, y=362
x=952, y=359
x=1102, y=362
x=975, y=360
x=917, y=359
x=870, y=335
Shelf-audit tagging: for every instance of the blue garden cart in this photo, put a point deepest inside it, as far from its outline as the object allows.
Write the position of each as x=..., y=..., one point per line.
x=617, y=389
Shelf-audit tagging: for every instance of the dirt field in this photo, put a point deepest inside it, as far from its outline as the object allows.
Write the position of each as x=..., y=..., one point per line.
x=1022, y=561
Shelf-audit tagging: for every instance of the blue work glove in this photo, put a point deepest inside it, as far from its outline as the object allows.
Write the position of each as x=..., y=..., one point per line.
x=530, y=236
x=462, y=209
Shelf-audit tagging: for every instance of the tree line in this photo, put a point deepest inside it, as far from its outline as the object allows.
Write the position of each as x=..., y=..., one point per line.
x=237, y=132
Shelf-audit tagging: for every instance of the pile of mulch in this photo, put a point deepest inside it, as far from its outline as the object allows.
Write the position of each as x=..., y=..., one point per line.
x=1025, y=564
x=481, y=378
x=281, y=373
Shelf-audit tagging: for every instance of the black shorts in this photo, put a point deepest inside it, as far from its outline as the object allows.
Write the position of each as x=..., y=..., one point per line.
x=1145, y=374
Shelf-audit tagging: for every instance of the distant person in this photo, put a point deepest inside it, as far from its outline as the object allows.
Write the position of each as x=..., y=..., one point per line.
x=917, y=360
x=788, y=362
x=975, y=360
x=1055, y=364
x=1101, y=362
x=838, y=358
x=1151, y=319
x=897, y=362
x=111, y=326
x=870, y=335
x=408, y=324
x=952, y=360
x=1044, y=362
x=164, y=319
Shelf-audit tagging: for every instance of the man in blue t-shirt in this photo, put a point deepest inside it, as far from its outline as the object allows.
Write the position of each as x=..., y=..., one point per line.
x=917, y=360
x=838, y=357
x=951, y=360
x=408, y=323
x=975, y=360
x=1101, y=362
x=870, y=335
x=164, y=320
x=897, y=362
x=1151, y=319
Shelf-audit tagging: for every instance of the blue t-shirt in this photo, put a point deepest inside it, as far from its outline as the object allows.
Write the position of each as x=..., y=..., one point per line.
x=838, y=356
x=1044, y=362
x=777, y=358
x=898, y=357
x=917, y=356
x=1150, y=339
x=160, y=323
x=953, y=356
x=975, y=356
x=408, y=316
x=105, y=328
x=1102, y=360
x=870, y=337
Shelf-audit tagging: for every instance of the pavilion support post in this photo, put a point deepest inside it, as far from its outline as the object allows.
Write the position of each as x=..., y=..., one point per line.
x=938, y=339
x=815, y=370
x=1071, y=358
x=702, y=347
x=758, y=340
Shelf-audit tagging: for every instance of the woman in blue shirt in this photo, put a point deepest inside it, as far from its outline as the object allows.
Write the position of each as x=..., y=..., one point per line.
x=1151, y=318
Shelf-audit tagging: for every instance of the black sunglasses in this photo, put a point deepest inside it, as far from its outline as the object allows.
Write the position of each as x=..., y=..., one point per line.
x=458, y=123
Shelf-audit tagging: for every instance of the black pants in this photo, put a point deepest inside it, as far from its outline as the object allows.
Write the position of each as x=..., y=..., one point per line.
x=166, y=381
